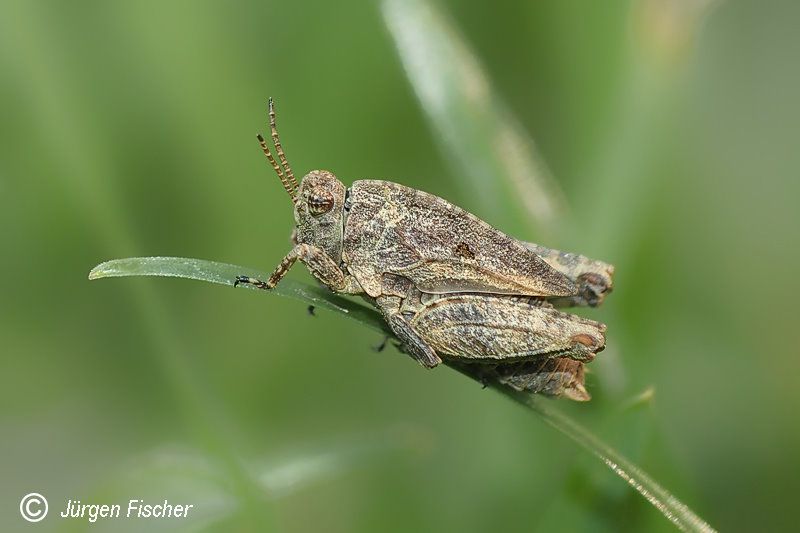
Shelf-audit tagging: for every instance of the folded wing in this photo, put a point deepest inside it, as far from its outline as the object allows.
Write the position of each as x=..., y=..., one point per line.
x=440, y=247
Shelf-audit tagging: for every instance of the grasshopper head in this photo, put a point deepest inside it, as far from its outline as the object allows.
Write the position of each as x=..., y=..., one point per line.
x=319, y=212
x=318, y=200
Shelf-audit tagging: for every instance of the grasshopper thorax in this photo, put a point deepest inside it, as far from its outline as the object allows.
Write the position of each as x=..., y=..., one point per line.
x=319, y=212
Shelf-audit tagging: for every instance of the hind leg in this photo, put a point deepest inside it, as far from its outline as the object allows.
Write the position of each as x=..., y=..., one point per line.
x=493, y=329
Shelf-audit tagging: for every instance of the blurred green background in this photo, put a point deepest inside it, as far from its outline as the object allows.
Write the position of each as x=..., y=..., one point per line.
x=128, y=129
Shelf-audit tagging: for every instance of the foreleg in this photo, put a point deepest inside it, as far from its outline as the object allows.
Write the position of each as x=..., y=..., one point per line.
x=319, y=264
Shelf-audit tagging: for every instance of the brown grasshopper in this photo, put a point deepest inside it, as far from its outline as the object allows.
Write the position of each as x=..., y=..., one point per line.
x=447, y=283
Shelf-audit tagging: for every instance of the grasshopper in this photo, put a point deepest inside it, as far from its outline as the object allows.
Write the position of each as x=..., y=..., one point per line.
x=447, y=283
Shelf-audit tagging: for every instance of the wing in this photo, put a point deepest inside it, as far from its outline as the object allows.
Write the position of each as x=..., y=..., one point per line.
x=593, y=279
x=440, y=247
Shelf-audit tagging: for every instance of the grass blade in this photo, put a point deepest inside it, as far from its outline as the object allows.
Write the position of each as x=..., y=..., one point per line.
x=477, y=133
x=671, y=507
x=224, y=274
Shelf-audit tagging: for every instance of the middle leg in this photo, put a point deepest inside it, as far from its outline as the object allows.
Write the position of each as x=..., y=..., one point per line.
x=412, y=342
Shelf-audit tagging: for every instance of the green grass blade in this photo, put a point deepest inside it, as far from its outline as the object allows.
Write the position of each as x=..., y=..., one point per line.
x=671, y=507
x=224, y=274
x=487, y=146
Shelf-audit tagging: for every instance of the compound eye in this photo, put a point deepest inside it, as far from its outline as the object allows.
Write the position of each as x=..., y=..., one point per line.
x=320, y=203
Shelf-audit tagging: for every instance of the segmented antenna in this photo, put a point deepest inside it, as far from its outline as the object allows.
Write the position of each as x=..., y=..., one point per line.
x=278, y=147
x=287, y=179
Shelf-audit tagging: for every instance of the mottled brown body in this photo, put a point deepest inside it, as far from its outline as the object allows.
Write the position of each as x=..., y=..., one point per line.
x=448, y=284
x=439, y=247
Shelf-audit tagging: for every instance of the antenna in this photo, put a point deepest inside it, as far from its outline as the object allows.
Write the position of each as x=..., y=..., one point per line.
x=278, y=148
x=287, y=179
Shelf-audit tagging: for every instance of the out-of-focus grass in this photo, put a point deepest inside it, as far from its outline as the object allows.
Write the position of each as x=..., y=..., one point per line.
x=493, y=158
x=653, y=77
x=197, y=479
x=83, y=159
